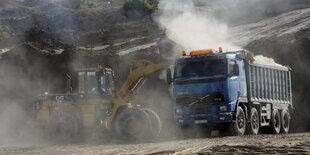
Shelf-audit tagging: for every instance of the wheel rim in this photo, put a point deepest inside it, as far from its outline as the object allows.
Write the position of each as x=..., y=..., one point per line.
x=240, y=121
x=255, y=122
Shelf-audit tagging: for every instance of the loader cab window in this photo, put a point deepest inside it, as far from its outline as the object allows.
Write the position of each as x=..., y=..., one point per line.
x=91, y=83
x=87, y=82
x=81, y=82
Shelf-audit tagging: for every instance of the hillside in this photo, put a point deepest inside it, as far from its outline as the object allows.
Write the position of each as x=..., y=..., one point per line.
x=41, y=41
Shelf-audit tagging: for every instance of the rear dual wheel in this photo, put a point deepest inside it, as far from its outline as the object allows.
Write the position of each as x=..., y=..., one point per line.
x=253, y=127
x=285, y=121
x=280, y=123
x=275, y=122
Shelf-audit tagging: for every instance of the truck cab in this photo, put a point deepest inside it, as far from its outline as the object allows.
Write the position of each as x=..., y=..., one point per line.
x=206, y=87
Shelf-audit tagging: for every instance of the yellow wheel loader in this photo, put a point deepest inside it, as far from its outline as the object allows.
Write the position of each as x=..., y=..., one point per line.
x=96, y=107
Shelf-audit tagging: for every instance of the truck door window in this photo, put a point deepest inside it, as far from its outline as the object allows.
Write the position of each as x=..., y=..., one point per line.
x=91, y=83
x=231, y=63
x=81, y=82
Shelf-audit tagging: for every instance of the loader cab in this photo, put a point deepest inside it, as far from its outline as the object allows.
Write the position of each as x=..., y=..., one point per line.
x=95, y=81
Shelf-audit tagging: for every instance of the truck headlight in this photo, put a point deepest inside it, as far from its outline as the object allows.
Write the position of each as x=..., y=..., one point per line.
x=179, y=111
x=223, y=108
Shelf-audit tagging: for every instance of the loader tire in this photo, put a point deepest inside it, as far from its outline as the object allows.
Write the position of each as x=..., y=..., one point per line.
x=132, y=125
x=62, y=128
x=155, y=123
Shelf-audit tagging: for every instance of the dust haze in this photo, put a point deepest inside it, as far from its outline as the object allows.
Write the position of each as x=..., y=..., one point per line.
x=191, y=24
x=16, y=91
x=190, y=27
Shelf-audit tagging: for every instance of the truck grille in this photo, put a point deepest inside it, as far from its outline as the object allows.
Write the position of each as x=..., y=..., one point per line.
x=199, y=99
x=200, y=110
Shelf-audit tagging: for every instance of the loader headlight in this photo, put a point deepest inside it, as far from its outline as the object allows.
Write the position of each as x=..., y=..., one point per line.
x=223, y=108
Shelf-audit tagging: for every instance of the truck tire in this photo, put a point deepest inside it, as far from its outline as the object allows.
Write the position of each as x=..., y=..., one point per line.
x=275, y=122
x=285, y=121
x=238, y=127
x=253, y=127
x=188, y=132
x=62, y=128
x=155, y=123
x=132, y=125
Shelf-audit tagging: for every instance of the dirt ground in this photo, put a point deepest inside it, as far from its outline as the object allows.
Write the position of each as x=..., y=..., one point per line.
x=259, y=144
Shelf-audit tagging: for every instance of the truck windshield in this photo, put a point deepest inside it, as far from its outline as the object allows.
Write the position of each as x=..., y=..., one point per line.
x=203, y=68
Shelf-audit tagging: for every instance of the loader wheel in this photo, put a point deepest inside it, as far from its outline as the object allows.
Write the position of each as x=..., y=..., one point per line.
x=275, y=122
x=253, y=127
x=237, y=128
x=62, y=128
x=155, y=123
x=132, y=125
x=285, y=121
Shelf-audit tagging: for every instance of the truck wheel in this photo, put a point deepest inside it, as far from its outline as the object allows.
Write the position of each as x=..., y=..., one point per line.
x=237, y=128
x=155, y=123
x=275, y=122
x=285, y=121
x=62, y=127
x=188, y=132
x=132, y=125
x=253, y=128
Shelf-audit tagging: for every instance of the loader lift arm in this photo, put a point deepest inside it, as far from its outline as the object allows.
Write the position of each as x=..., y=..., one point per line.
x=141, y=69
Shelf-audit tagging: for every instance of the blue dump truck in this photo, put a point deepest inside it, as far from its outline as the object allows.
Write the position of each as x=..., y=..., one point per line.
x=231, y=93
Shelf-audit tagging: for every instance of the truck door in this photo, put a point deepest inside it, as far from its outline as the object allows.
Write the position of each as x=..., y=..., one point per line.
x=233, y=82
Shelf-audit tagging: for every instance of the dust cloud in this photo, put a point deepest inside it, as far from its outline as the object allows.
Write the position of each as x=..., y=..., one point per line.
x=194, y=24
x=191, y=27
x=14, y=129
x=15, y=109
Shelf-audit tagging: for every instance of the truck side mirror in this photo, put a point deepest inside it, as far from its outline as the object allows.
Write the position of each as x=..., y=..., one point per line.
x=236, y=70
x=169, y=79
